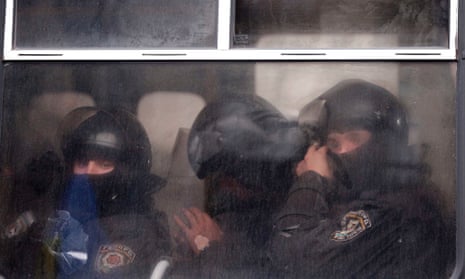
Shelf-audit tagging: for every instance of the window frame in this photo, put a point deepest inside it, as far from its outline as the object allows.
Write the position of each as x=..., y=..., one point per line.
x=459, y=270
x=224, y=50
x=455, y=52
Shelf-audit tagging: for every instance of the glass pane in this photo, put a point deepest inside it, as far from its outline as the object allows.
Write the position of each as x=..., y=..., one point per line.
x=341, y=24
x=116, y=24
x=167, y=100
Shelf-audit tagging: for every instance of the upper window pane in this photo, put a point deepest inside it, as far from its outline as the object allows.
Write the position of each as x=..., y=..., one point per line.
x=230, y=30
x=341, y=24
x=115, y=24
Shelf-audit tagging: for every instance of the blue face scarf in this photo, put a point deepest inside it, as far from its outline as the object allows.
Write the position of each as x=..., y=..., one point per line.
x=79, y=199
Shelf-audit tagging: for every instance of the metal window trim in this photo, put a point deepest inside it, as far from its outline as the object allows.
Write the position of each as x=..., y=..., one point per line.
x=459, y=269
x=224, y=51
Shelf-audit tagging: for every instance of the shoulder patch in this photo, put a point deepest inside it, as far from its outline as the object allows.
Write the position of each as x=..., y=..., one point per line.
x=112, y=256
x=352, y=224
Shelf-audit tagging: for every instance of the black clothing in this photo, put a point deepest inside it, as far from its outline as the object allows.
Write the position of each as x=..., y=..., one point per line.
x=359, y=105
x=123, y=241
x=33, y=199
x=99, y=226
x=376, y=234
x=125, y=246
x=378, y=217
x=91, y=196
x=125, y=237
x=244, y=148
x=240, y=254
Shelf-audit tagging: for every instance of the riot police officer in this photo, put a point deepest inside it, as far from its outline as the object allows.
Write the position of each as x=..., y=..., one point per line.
x=362, y=205
x=104, y=225
x=243, y=148
x=108, y=158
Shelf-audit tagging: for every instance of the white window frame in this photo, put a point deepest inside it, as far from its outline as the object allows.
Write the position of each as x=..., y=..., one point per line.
x=224, y=50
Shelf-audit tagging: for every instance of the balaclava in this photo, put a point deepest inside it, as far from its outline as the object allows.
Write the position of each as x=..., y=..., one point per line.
x=90, y=133
x=360, y=105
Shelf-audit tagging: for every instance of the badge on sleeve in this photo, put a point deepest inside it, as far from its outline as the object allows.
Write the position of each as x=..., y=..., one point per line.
x=112, y=256
x=352, y=224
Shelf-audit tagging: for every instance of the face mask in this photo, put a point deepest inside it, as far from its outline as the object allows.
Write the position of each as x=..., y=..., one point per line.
x=92, y=196
x=361, y=169
x=106, y=186
x=80, y=199
x=114, y=194
x=226, y=195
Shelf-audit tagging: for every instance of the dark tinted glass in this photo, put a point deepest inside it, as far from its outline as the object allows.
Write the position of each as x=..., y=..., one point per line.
x=341, y=23
x=116, y=24
x=167, y=97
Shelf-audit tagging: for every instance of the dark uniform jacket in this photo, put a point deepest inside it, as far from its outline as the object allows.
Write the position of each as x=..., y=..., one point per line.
x=240, y=254
x=124, y=246
x=375, y=234
x=118, y=246
x=125, y=240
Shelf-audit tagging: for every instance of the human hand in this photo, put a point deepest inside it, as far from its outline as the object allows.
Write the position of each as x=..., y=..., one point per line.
x=199, y=226
x=20, y=225
x=66, y=240
x=316, y=160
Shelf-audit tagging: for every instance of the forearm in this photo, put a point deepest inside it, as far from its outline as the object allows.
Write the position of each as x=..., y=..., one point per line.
x=306, y=203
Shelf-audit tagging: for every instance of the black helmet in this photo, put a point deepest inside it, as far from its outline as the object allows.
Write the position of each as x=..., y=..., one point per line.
x=357, y=104
x=89, y=133
x=242, y=128
x=244, y=138
x=114, y=134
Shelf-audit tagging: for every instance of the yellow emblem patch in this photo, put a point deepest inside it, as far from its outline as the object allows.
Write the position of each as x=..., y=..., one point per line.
x=352, y=224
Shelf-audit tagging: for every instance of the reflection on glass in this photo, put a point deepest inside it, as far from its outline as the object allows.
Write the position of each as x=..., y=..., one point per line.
x=111, y=24
x=168, y=99
x=341, y=23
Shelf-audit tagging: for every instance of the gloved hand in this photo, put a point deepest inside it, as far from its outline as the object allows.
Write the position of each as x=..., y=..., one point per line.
x=66, y=241
x=20, y=225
